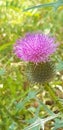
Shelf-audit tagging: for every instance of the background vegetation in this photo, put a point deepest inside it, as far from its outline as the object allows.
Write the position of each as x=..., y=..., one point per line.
x=20, y=102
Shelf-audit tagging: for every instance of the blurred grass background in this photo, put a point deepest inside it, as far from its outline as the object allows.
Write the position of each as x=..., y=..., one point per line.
x=14, y=87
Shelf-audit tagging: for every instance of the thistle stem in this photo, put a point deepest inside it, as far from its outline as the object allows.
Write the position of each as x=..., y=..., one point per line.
x=54, y=97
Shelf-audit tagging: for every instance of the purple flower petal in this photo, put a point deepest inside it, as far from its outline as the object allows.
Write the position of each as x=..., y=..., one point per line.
x=35, y=47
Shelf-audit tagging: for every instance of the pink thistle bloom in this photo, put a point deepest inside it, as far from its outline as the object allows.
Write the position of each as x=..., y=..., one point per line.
x=35, y=47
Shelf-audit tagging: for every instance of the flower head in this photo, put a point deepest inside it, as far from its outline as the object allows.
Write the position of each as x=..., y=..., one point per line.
x=35, y=47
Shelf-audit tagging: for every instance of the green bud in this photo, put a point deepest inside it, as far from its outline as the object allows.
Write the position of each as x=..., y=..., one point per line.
x=41, y=72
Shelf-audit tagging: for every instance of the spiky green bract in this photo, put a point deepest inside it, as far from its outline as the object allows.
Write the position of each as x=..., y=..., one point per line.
x=41, y=72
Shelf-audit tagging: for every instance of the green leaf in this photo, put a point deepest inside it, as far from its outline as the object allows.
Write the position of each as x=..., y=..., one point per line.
x=4, y=46
x=58, y=124
x=53, y=4
x=60, y=0
x=22, y=104
x=61, y=100
x=36, y=128
x=12, y=126
x=2, y=72
x=40, y=6
x=32, y=95
x=59, y=67
x=33, y=126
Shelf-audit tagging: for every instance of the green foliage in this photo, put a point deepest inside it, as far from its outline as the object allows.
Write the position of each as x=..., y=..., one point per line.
x=2, y=71
x=56, y=5
x=59, y=67
x=22, y=103
x=58, y=124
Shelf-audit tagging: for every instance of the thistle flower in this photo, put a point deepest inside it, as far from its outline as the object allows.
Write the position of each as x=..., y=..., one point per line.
x=35, y=47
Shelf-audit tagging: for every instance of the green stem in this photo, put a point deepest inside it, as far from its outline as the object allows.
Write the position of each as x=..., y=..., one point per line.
x=54, y=97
